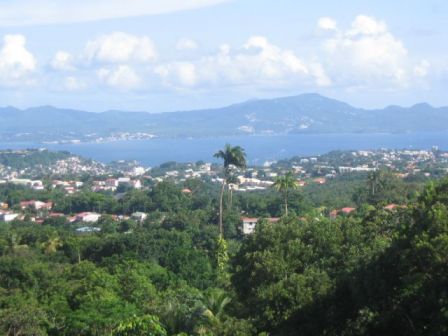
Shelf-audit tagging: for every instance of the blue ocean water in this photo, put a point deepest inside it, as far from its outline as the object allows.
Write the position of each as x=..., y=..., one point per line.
x=258, y=148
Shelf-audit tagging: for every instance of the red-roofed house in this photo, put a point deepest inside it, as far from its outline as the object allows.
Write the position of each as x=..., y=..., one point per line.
x=36, y=205
x=393, y=206
x=347, y=210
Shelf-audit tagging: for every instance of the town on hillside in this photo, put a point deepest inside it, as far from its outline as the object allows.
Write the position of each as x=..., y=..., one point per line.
x=46, y=174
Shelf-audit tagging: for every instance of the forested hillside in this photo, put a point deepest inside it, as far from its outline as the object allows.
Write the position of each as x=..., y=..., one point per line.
x=301, y=114
x=375, y=271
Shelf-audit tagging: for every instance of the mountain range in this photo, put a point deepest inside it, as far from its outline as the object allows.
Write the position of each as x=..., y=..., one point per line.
x=306, y=113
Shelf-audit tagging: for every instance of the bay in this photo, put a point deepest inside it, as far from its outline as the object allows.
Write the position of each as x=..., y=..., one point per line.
x=258, y=148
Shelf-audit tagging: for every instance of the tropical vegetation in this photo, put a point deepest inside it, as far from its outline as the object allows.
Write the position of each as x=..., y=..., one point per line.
x=188, y=270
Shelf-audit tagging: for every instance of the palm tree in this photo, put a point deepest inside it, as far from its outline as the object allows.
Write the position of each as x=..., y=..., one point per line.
x=13, y=242
x=232, y=156
x=213, y=312
x=215, y=302
x=376, y=181
x=284, y=184
x=231, y=180
x=51, y=245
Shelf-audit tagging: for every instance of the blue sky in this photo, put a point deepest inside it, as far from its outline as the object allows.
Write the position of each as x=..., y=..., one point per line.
x=185, y=54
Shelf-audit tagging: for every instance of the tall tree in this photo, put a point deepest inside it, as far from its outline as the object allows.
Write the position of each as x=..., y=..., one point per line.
x=376, y=181
x=284, y=184
x=231, y=181
x=232, y=156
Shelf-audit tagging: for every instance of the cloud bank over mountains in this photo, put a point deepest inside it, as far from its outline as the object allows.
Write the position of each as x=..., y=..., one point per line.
x=363, y=55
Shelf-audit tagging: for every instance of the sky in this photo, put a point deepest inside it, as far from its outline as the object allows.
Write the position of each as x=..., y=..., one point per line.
x=157, y=56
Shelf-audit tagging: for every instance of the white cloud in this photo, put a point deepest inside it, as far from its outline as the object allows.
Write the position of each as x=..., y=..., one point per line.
x=365, y=25
x=179, y=74
x=326, y=23
x=120, y=47
x=272, y=58
x=31, y=12
x=63, y=61
x=258, y=63
x=363, y=55
x=17, y=64
x=368, y=55
x=186, y=44
x=122, y=77
x=321, y=77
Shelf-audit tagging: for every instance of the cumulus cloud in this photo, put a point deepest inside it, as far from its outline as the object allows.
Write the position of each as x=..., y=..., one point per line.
x=31, y=12
x=17, y=64
x=120, y=47
x=327, y=23
x=368, y=54
x=122, y=77
x=365, y=25
x=257, y=63
x=63, y=61
x=365, y=54
x=178, y=73
x=186, y=44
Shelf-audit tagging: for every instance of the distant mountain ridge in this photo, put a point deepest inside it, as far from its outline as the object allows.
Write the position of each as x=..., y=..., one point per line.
x=306, y=113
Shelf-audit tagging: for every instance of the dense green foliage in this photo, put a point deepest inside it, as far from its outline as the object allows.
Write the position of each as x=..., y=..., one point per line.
x=372, y=272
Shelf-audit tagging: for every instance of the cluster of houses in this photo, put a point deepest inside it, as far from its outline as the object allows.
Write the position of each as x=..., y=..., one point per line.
x=72, y=165
x=32, y=184
x=112, y=184
x=75, y=166
x=308, y=170
x=36, y=205
x=402, y=162
x=38, y=211
x=255, y=184
x=252, y=183
x=70, y=187
x=191, y=171
x=248, y=224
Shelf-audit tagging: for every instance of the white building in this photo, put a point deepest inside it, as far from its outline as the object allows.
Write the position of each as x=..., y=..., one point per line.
x=249, y=224
x=124, y=180
x=138, y=171
x=139, y=216
x=87, y=217
x=8, y=216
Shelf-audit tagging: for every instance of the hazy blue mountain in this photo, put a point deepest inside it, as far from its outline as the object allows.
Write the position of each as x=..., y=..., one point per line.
x=307, y=113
